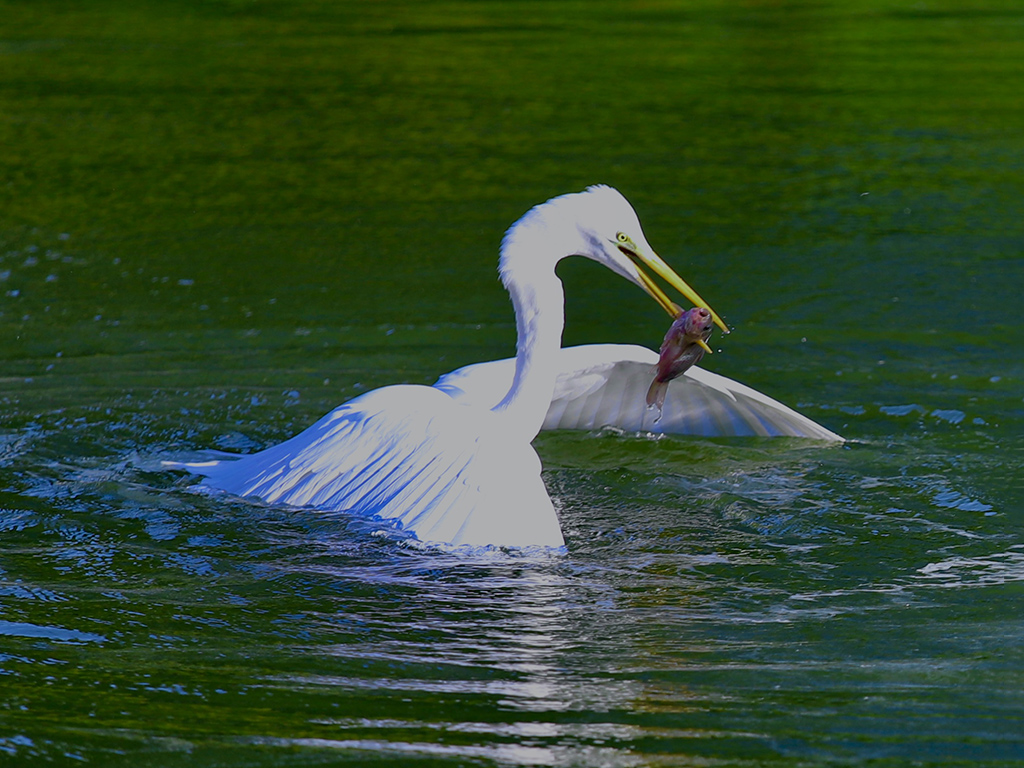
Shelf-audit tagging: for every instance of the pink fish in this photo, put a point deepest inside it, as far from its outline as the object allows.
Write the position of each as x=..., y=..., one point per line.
x=683, y=347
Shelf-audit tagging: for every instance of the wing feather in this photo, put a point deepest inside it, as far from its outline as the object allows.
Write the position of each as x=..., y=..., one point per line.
x=603, y=385
x=437, y=468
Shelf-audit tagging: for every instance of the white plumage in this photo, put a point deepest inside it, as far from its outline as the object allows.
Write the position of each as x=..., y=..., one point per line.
x=445, y=471
x=604, y=385
x=453, y=463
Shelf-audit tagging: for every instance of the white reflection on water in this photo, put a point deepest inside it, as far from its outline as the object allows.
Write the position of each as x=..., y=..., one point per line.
x=988, y=570
x=516, y=754
x=533, y=640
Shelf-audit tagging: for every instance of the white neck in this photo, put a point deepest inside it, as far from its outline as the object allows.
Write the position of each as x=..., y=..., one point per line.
x=539, y=320
x=529, y=254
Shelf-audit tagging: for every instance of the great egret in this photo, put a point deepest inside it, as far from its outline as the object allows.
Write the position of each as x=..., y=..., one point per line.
x=453, y=463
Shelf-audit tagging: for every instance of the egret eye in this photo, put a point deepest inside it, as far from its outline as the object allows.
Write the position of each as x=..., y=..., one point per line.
x=622, y=237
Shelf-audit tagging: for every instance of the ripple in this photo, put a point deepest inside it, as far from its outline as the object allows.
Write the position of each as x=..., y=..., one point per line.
x=951, y=499
x=951, y=415
x=995, y=569
x=22, y=629
x=902, y=410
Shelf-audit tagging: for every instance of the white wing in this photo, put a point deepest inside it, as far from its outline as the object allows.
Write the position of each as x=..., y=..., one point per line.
x=438, y=468
x=436, y=462
x=606, y=385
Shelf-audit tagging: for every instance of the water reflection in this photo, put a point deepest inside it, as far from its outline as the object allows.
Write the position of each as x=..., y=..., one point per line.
x=519, y=637
x=997, y=568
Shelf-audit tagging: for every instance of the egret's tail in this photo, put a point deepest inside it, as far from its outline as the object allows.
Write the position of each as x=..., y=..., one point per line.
x=195, y=467
x=207, y=467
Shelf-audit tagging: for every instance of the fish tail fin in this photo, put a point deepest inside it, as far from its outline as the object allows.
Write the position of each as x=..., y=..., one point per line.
x=656, y=394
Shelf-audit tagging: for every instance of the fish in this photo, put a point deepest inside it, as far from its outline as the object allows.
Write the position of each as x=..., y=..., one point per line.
x=683, y=347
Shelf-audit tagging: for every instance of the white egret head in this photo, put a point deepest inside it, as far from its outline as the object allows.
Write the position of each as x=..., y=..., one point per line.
x=600, y=224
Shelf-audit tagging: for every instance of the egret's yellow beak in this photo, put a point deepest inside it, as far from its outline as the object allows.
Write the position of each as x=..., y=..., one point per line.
x=666, y=273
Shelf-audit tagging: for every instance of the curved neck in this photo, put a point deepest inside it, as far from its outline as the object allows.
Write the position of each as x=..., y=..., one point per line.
x=538, y=301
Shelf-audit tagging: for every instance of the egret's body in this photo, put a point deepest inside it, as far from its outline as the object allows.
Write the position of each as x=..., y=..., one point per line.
x=453, y=463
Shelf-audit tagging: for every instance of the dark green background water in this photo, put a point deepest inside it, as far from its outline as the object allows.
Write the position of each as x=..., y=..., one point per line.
x=220, y=218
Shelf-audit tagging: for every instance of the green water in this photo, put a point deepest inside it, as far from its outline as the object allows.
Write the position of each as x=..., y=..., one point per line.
x=220, y=218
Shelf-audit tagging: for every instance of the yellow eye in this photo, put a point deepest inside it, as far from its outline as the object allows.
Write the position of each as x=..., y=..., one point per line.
x=622, y=237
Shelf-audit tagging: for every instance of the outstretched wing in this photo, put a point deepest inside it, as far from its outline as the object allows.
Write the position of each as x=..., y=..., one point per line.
x=606, y=385
x=410, y=454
